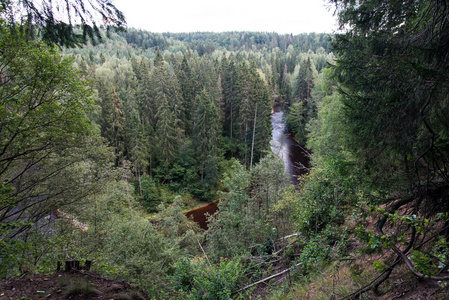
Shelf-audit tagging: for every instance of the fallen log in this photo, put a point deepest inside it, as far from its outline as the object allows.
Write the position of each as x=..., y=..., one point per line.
x=266, y=279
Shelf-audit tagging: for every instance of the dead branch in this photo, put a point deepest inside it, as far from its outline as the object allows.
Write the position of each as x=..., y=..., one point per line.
x=367, y=287
x=286, y=237
x=282, y=249
x=266, y=279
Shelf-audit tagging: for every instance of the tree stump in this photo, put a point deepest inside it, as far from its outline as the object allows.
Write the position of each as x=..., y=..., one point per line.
x=72, y=265
x=87, y=265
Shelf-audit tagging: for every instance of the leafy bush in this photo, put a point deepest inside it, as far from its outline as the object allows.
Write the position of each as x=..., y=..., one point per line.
x=314, y=255
x=153, y=193
x=197, y=279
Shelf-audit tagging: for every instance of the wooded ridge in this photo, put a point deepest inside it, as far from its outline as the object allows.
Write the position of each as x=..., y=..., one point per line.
x=131, y=129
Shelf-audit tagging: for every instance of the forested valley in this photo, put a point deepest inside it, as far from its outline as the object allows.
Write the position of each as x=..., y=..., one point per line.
x=108, y=137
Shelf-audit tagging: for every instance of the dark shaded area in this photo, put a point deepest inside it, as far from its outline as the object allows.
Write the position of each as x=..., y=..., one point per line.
x=68, y=285
x=298, y=155
x=295, y=156
x=199, y=214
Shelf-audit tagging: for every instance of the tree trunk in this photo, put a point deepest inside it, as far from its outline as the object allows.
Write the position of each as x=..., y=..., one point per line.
x=140, y=183
x=254, y=134
x=231, y=122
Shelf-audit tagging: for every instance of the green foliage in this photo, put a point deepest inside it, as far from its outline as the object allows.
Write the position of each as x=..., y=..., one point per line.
x=169, y=117
x=141, y=253
x=323, y=202
x=197, y=279
x=423, y=263
x=296, y=121
x=268, y=179
x=177, y=101
x=50, y=155
x=81, y=287
x=232, y=223
x=54, y=23
x=153, y=193
x=314, y=256
x=112, y=119
x=378, y=45
x=379, y=266
x=179, y=230
x=251, y=214
x=320, y=249
x=440, y=252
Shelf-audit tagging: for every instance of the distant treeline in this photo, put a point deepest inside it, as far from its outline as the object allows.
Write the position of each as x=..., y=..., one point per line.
x=207, y=42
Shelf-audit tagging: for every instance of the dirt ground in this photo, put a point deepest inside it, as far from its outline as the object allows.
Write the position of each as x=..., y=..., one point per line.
x=67, y=285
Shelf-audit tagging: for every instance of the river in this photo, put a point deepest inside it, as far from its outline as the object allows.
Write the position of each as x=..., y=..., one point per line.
x=294, y=155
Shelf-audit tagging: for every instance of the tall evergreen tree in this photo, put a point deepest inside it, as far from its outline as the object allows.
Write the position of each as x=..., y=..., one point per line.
x=112, y=119
x=187, y=84
x=206, y=130
x=304, y=82
x=167, y=133
x=393, y=72
x=164, y=87
x=229, y=85
x=138, y=136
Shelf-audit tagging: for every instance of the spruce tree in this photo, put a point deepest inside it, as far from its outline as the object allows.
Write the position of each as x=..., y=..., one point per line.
x=167, y=133
x=112, y=120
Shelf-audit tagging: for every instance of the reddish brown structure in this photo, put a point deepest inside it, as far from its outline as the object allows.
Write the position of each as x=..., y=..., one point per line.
x=198, y=215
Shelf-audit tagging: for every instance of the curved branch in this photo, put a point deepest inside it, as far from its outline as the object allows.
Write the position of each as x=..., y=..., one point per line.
x=369, y=285
x=400, y=253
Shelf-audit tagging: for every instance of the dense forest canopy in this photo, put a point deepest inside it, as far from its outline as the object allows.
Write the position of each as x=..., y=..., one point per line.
x=102, y=148
x=176, y=105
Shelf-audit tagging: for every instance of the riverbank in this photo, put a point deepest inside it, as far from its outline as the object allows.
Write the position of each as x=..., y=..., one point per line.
x=295, y=156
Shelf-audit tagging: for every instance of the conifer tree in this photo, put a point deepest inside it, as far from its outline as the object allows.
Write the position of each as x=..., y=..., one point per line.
x=112, y=120
x=229, y=85
x=187, y=84
x=167, y=133
x=392, y=70
x=162, y=85
x=304, y=83
x=206, y=130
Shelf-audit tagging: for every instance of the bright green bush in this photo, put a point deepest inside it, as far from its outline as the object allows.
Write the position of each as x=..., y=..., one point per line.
x=197, y=279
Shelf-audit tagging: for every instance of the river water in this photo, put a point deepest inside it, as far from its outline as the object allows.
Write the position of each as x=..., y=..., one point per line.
x=294, y=155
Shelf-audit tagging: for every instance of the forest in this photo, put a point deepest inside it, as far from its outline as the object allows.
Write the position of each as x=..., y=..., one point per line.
x=109, y=135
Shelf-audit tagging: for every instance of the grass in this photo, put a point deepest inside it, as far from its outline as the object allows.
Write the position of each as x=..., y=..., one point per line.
x=81, y=286
x=335, y=282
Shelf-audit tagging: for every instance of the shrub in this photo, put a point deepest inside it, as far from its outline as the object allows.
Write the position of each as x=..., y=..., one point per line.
x=198, y=279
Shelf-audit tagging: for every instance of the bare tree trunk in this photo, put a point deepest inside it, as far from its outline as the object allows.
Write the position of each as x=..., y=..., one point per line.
x=140, y=182
x=254, y=134
x=231, y=121
x=246, y=154
x=266, y=279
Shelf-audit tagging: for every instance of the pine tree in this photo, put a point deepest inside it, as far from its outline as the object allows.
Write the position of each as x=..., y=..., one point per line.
x=112, y=120
x=393, y=76
x=165, y=86
x=167, y=133
x=187, y=84
x=304, y=83
x=229, y=85
x=139, y=144
x=206, y=130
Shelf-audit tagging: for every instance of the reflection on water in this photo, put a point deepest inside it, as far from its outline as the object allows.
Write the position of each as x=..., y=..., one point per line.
x=294, y=155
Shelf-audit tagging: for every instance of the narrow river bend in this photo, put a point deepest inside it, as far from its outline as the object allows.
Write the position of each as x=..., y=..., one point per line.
x=294, y=155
